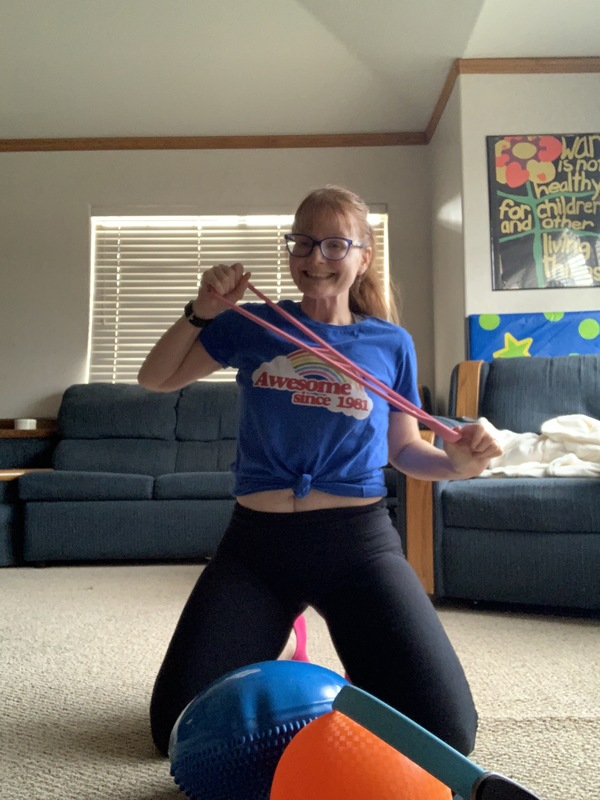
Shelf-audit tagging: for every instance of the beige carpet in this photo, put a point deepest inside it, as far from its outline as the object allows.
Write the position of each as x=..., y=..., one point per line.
x=79, y=648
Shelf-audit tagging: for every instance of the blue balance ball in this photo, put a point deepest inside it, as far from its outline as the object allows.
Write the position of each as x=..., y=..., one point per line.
x=227, y=742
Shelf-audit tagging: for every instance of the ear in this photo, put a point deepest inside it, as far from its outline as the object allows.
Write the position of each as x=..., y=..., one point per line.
x=365, y=261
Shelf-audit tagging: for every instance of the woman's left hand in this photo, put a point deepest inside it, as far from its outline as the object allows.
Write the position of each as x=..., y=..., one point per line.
x=471, y=454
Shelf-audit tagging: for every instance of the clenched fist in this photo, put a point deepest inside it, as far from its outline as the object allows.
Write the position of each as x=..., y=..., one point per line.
x=230, y=281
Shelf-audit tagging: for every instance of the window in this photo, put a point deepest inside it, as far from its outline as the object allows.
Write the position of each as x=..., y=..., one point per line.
x=144, y=270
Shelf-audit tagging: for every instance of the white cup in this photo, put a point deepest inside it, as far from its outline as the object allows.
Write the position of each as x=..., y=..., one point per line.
x=25, y=424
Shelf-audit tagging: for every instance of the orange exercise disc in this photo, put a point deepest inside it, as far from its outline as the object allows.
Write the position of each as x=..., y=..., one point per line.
x=335, y=758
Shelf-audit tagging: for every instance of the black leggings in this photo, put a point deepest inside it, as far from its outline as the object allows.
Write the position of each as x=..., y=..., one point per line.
x=348, y=564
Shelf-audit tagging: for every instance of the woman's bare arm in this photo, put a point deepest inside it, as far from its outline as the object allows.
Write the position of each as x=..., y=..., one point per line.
x=178, y=358
x=414, y=456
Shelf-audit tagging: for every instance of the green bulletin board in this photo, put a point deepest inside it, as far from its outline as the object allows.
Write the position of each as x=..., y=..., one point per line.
x=545, y=210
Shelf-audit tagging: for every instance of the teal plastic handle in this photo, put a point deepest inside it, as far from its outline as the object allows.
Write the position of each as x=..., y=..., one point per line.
x=415, y=742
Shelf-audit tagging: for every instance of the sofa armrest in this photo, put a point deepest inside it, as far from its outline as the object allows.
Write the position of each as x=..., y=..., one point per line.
x=9, y=485
x=419, y=525
x=467, y=387
x=73, y=486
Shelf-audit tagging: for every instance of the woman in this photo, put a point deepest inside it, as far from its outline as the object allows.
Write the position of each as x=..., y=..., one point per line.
x=310, y=526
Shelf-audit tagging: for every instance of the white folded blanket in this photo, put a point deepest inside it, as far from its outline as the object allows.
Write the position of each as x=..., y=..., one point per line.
x=567, y=446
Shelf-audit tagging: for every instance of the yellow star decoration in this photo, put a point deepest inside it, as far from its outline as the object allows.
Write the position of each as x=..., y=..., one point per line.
x=513, y=348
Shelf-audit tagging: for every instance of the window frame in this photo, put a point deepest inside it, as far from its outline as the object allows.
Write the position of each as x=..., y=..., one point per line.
x=133, y=301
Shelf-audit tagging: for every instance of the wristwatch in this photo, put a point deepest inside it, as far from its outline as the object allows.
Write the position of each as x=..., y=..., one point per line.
x=198, y=322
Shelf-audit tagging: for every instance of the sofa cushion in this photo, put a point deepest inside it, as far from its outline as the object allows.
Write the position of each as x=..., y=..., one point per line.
x=537, y=568
x=193, y=486
x=519, y=394
x=117, y=411
x=10, y=534
x=523, y=504
x=65, y=486
x=207, y=411
x=26, y=453
x=205, y=456
x=9, y=492
x=124, y=530
x=137, y=456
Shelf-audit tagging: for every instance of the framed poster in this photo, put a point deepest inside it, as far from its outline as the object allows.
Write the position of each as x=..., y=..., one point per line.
x=544, y=210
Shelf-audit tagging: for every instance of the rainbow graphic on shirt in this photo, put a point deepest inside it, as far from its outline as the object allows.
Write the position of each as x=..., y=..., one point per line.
x=307, y=364
x=313, y=383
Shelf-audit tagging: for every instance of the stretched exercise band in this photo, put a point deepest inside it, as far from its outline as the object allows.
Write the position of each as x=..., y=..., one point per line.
x=344, y=364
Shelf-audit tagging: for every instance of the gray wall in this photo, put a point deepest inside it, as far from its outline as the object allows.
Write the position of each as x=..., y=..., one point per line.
x=480, y=106
x=448, y=256
x=47, y=200
x=436, y=197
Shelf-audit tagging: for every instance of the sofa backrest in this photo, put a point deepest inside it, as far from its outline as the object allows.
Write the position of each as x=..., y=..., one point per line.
x=206, y=412
x=206, y=429
x=107, y=427
x=519, y=394
x=117, y=411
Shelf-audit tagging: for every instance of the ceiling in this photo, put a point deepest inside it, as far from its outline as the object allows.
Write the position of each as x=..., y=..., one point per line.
x=104, y=68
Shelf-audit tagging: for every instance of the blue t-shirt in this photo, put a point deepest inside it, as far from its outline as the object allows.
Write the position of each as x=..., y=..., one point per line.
x=302, y=423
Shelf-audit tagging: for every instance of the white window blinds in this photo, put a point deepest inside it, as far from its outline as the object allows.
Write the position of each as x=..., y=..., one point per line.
x=144, y=270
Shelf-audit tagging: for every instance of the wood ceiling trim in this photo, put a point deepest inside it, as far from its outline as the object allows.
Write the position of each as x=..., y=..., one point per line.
x=461, y=66
x=214, y=142
x=506, y=66
x=527, y=66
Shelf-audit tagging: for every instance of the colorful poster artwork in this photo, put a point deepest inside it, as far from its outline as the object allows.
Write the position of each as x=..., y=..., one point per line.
x=550, y=334
x=544, y=210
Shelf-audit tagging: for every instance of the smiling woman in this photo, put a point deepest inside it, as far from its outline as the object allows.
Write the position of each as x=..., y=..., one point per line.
x=328, y=269
x=342, y=219
x=310, y=526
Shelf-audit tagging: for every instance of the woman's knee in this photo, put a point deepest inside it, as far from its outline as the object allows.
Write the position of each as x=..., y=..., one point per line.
x=164, y=711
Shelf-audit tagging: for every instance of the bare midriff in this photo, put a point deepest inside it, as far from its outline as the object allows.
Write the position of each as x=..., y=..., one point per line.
x=284, y=501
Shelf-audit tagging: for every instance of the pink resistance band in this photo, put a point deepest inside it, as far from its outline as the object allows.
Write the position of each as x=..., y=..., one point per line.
x=344, y=364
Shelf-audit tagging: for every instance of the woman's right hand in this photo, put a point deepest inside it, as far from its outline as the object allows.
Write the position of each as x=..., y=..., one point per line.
x=230, y=281
x=178, y=358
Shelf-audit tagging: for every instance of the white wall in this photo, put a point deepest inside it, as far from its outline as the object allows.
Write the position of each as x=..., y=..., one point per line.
x=45, y=208
x=439, y=232
x=493, y=105
x=448, y=258
x=480, y=106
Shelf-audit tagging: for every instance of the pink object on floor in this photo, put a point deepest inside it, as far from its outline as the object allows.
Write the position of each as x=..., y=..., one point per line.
x=300, y=653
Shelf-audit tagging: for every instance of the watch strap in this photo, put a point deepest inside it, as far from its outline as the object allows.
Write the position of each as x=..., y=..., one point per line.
x=197, y=322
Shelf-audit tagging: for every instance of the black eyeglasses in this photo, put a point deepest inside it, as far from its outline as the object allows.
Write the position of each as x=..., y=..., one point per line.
x=333, y=247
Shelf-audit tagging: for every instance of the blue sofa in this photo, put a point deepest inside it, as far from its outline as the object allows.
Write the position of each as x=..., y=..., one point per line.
x=135, y=476
x=18, y=454
x=523, y=540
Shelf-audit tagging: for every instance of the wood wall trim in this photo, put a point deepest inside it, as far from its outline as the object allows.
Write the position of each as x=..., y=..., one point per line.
x=13, y=474
x=506, y=66
x=527, y=66
x=214, y=142
x=442, y=102
x=460, y=66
